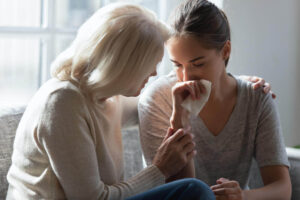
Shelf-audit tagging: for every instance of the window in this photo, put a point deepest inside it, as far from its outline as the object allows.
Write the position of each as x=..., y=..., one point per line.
x=34, y=32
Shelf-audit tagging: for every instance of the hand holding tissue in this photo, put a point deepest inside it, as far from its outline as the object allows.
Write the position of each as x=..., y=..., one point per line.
x=195, y=106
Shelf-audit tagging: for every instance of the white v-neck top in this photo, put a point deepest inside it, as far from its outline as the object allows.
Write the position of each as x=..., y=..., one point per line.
x=67, y=147
x=252, y=131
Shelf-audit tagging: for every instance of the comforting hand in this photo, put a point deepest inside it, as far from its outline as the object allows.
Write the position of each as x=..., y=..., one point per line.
x=176, y=150
x=227, y=190
x=258, y=83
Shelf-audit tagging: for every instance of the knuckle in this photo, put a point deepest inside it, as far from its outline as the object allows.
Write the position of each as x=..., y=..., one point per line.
x=189, y=136
x=183, y=159
x=235, y=183
x=193, y=145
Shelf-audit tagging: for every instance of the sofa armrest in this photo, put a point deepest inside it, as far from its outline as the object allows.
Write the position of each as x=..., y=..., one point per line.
x=294, y=158
x=293, y=154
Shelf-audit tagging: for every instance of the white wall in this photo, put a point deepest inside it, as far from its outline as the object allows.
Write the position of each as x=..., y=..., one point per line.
x=266, y=42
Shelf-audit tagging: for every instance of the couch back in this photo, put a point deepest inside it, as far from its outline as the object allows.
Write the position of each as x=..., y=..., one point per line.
x=9, y=120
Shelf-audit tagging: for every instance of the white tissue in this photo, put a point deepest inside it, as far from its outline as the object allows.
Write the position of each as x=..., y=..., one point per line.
x=195, y=106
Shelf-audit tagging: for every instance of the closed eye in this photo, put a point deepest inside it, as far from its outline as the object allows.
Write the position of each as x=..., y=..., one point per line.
x=198, y=65
x=175, y=65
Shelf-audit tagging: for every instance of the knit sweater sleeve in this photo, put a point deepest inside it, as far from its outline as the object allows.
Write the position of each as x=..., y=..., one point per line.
x=64, y=136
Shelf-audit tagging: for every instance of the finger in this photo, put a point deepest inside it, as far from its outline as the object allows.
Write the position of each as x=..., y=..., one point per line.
x=273, y=95
x=183, y=89
x=203, y=89
x=190, y=155
x=169, y=133
x=187, y=138
x=253, y=79
x=189, y=147
x=224, y=184
x=197, y=90
x=258, y=83
x=226, y=191
x=191, y=89
x=267, y=88
x=222, y=180
x=229, y=184
x=177, y=135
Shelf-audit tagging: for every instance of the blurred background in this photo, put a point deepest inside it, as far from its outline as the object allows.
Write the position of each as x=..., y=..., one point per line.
x=265, y=42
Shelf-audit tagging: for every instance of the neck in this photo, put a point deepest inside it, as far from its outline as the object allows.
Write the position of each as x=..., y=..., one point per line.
x=223, y=88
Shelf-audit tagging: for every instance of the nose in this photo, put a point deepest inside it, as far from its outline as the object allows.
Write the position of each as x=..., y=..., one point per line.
x=154, y=73
x=186, y=75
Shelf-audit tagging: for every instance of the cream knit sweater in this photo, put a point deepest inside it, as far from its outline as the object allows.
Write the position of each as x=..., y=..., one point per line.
x=69, y=148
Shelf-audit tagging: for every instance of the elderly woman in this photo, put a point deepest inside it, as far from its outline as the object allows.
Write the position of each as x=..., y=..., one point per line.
x=69, y=144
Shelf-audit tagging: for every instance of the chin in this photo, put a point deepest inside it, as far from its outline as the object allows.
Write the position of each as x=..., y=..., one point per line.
x=137, y=93
x=132, y=93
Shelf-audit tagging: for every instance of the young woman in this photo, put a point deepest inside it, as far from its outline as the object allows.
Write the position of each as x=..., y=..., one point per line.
x=68, y=144
x=237, y=123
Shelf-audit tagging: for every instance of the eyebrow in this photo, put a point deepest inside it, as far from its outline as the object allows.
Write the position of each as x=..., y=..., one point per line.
x=193, y=60
x=198, y=58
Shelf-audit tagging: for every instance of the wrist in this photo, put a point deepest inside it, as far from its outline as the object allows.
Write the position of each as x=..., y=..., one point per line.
x=175, y=121
x=164, y=172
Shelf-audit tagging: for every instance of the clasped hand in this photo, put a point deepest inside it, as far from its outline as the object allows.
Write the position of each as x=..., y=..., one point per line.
x=226, y=189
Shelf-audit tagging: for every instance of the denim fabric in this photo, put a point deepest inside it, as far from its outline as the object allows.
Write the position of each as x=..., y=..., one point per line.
x=189, y=188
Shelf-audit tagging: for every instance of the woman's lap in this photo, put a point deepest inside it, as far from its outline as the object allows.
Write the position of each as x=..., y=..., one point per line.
x=188, y=188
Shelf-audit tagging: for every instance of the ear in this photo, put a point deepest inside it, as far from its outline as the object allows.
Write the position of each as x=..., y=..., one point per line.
x=226, y=50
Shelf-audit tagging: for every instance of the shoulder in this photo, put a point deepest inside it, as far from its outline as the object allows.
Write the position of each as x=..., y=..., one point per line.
x=254, y=97
x=159, y=89
x=56, y=95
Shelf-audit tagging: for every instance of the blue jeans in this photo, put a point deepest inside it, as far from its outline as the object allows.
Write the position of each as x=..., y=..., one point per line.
x=188, y=188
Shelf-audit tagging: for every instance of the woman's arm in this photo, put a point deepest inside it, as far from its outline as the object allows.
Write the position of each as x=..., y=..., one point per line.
x=277, y=186
x=65, y=135
x=189, y=170
x=270, y=153
x=179, y=92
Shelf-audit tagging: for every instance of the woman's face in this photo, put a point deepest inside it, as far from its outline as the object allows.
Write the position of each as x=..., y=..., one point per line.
x=145, y=82
x=193, y=61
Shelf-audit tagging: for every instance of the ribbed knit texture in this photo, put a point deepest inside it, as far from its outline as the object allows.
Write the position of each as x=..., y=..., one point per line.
x=69, y=147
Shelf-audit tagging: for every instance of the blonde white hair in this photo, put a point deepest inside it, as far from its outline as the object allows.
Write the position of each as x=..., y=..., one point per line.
x=114, y=51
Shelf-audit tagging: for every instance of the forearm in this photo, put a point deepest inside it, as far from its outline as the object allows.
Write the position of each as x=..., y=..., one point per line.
x=187, y=172
x=176, y=123
x=280, y=190
x=175, y=120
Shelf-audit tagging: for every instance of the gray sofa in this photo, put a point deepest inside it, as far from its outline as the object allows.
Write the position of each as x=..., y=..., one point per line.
x=10, y=117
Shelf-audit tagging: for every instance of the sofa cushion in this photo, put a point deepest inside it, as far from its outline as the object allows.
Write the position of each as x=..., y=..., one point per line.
x=9, y=119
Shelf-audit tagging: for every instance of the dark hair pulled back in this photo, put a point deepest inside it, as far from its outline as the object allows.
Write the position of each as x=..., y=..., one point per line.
x=204, y=20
